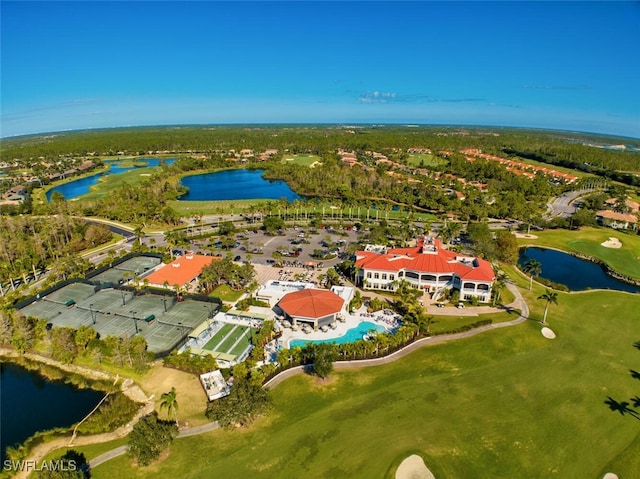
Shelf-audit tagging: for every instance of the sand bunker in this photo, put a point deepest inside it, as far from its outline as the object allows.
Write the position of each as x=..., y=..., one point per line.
x=610, y=475
x=547, y=333
x=315, y=163
x=525, y=235
x=612, y=243
x=413, y=467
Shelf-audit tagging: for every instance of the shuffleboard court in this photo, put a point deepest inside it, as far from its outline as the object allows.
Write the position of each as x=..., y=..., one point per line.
x=230, y=342
x=242, y=345
x=232, y=339
x=219, y=337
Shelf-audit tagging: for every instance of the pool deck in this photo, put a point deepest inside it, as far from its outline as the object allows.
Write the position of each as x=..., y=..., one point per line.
x=352, y=321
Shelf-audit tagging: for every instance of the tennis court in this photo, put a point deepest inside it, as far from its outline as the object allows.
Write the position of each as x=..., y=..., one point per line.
x=160, y=319
x=127, y=269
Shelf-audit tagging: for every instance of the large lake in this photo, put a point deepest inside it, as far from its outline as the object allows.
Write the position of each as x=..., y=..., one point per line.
x=235, y=185
x=30, y=403
x=80, y=187
x=575, y=273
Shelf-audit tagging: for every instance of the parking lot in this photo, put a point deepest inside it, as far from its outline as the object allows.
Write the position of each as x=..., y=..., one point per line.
x=296, y=246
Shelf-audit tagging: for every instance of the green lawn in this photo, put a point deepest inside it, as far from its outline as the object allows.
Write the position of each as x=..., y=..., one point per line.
x=110, y=183
x=186, y=208
x=449, y=323
x=301, y=159
x=625, y=260
x=420, y=159
x=227, y=207
x=225, y=293
x=505, y=403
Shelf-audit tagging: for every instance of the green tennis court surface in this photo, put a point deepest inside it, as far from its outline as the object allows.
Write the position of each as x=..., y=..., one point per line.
x=115, y=312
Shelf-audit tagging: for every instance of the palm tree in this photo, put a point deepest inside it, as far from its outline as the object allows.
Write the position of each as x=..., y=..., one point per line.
x=533, y=267
x=498, y=285
x=168, y=400
x=550, y=297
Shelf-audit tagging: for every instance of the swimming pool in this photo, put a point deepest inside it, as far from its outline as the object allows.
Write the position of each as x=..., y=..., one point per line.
x=352, y=335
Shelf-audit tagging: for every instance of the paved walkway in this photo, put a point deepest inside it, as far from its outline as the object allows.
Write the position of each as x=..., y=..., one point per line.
x=119, y=451
x=518, y=303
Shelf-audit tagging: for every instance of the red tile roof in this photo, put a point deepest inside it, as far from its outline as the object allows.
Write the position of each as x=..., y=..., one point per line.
x=612, y=215
x=182, y=270
x=413, y=259
x=311, y=303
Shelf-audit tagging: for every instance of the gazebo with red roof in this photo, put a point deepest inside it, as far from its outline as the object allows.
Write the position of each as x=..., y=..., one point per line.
x=317, y=307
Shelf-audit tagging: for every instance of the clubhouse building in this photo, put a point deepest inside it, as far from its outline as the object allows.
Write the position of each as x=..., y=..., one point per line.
x=426, y=266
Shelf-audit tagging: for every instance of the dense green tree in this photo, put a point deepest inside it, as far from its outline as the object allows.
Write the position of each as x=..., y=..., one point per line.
x=71, y=465
x=506, y=247
x=63, y=344
x=272, y=223
x=226, y=228
x=149, y=437
x=245, y=402
x=23, y=332
x=324, y=355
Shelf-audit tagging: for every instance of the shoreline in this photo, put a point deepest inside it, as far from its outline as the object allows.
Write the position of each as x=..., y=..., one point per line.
x=592, y=259
x=92, y=379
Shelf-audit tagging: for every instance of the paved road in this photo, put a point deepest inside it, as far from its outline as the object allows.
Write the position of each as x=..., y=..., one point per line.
x=563, y=205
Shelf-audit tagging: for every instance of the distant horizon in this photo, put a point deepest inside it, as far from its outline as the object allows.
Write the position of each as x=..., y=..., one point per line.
x=568, y=66
x=325, y=124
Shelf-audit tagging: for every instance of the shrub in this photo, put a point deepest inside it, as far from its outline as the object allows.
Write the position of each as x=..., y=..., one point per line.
x=116, y=411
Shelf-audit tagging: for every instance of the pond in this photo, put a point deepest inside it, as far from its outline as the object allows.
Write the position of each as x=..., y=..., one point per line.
x=235, y=185
x=575, y=273
x=77, y=188
x=31, y=403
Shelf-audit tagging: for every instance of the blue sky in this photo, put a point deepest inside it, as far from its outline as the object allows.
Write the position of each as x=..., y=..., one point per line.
x=74, y=65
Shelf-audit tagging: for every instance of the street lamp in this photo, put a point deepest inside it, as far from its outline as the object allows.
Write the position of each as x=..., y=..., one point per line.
x=122, y=293
x=93, y=317
x=164, y=300
x=210, y=313
x=134, y=321
x=184, y=331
